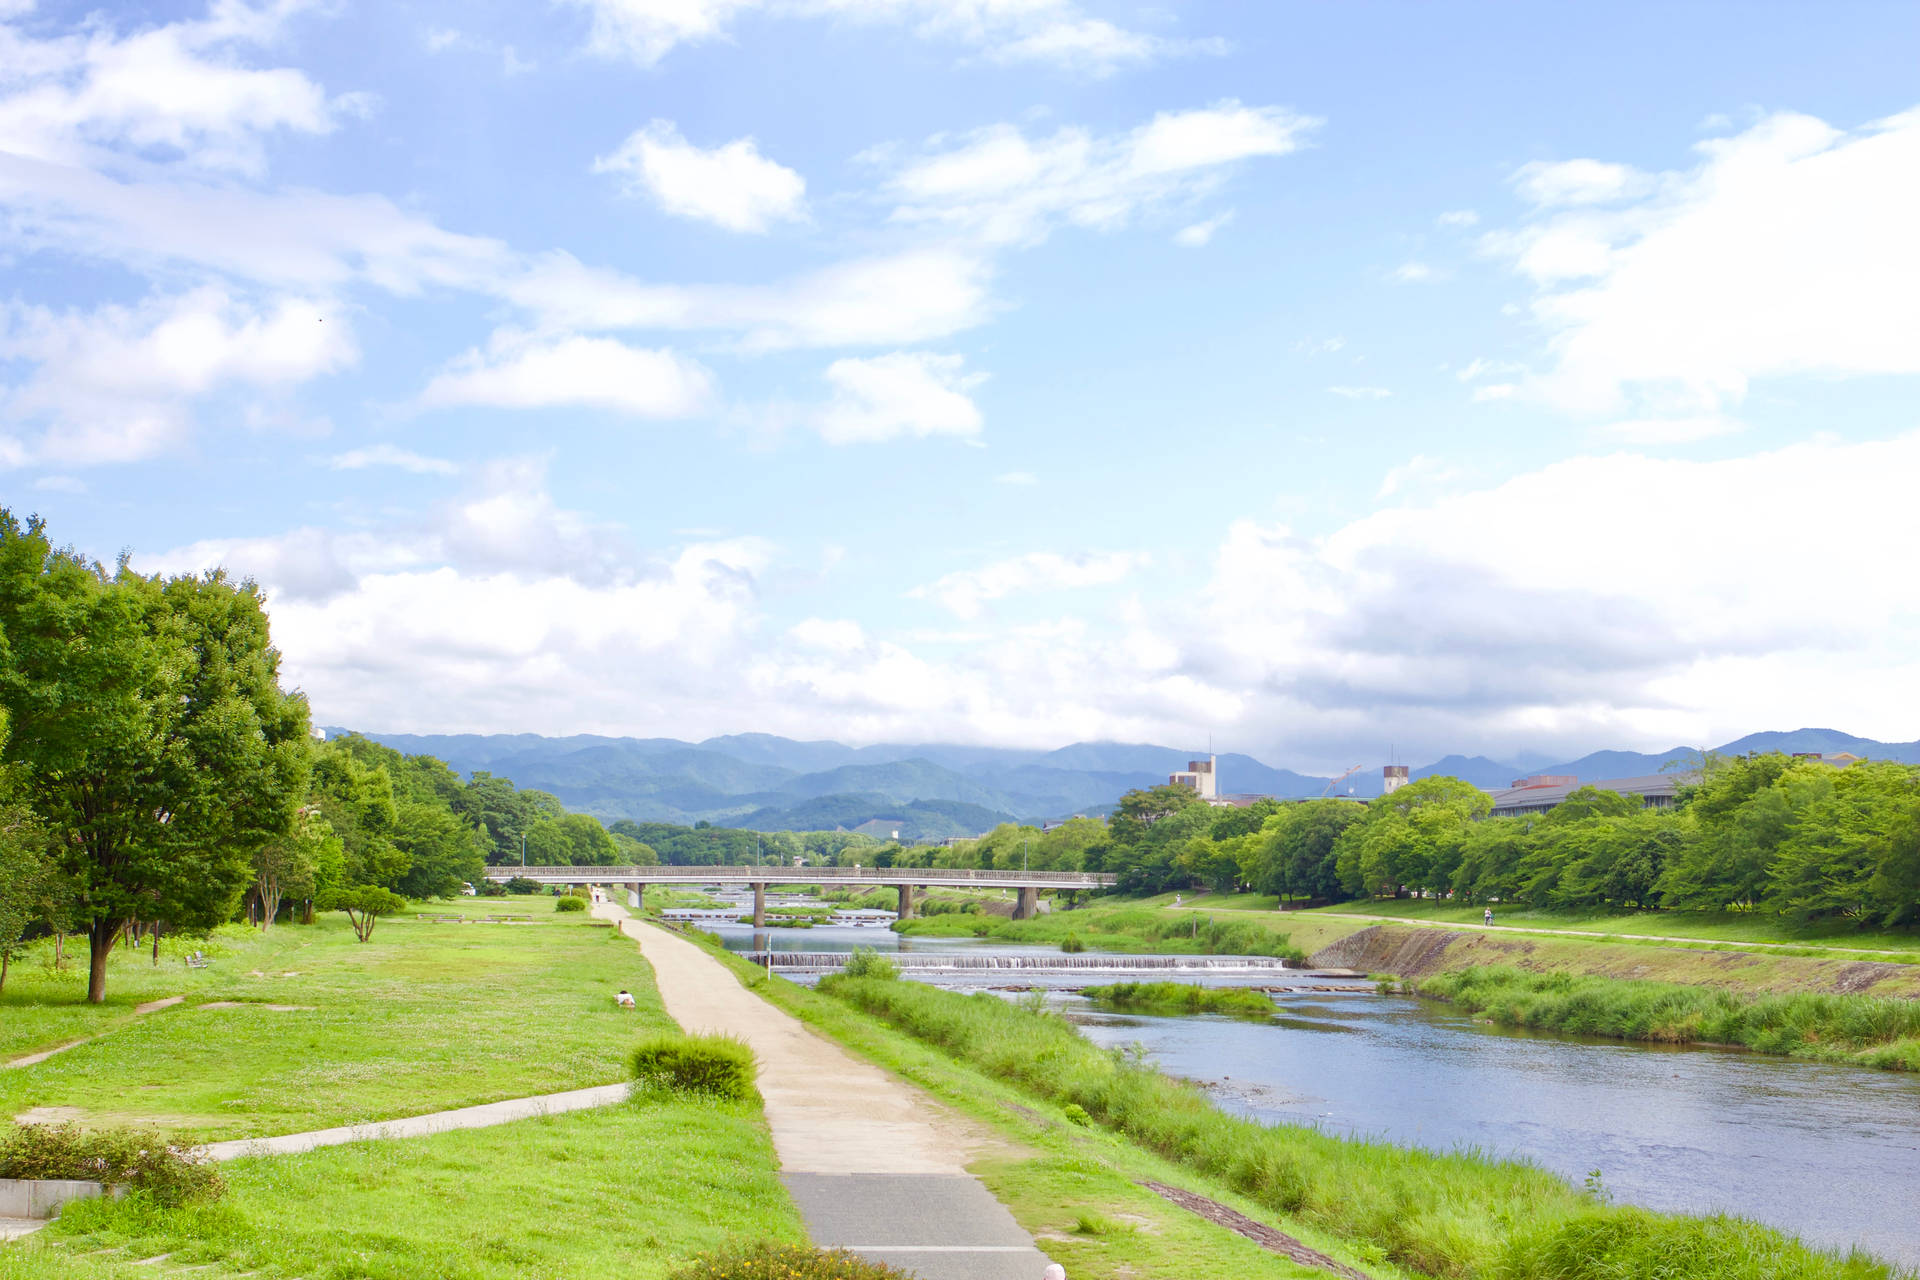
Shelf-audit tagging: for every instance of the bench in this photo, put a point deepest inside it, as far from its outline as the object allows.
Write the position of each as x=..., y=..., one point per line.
x=508, y=919
x=197, y=960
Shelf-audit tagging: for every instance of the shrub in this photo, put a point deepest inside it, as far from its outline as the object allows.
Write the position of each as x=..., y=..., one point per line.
x=865, y=962
x=570, y=904
x=138, y=1158
x=716, y=1065
x=1072, y=945
x=520, y=884
x=769, y=1261
x=1076, y=1114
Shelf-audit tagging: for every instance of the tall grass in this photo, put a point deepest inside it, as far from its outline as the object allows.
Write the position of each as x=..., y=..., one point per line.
x=1867, y=1030
x=1118, y=929
x=1455, y=1215
x=1182, y=997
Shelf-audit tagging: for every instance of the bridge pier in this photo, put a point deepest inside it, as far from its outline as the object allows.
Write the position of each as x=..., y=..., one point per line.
x=1029, y=905
x=906, y=902
x=760, y=906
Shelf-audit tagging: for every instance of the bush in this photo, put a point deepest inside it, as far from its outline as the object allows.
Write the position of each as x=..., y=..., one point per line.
x=570, y=904
x=520, y=884
x=715, y=1065
x=1076, y=1114
x=1072, y=944
x=769, y=1261
x=865, y=962
x=138, y=1158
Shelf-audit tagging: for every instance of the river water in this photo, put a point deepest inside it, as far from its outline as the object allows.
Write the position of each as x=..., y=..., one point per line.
x=1829, y=1153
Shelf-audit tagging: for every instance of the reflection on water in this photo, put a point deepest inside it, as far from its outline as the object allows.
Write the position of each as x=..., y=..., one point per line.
x=1829, y=1153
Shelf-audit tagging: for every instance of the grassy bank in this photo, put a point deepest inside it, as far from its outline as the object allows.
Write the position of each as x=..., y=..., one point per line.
x=1128, y=928
x=1078, y=1188
x=1452, y=1215
x=627, y=1190
x=1182, y=997
x=1862, y=1030
x=304, y=1027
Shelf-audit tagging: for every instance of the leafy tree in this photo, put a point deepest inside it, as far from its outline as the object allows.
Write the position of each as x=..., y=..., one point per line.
x=299, y=865
x=364, y=905
x=442, y=851
x=24, y=874
x=1296, y=849
x=571, y=840
x=152, y=739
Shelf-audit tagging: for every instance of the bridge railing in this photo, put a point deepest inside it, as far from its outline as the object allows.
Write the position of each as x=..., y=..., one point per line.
x=812, y=875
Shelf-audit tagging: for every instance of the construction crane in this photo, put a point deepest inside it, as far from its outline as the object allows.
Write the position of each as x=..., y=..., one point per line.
x=1342, y=778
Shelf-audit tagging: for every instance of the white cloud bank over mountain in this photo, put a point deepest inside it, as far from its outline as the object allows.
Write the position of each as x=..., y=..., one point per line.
x=1621, y=598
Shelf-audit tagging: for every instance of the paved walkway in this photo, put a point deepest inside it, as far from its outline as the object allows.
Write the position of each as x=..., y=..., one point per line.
x=874, y=1165
x=480, y=1117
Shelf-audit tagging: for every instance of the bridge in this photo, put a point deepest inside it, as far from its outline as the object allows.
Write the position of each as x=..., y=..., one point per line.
x=905, y=879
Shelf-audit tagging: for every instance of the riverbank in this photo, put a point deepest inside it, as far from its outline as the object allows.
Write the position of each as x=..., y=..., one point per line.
x=1115, y=928
x=1859, y=1030
x=1453, y=1215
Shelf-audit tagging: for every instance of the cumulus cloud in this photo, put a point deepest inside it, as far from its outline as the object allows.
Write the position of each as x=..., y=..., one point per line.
x=1785, y=250
x=176, y=91
x=998, y=183
x=967, y=592
x=117, y=383
x=1361, y=393
x=731, y=186
x=1200, y=234
x=906, y=393
x=523, y=371
x=1052, y=32
x=1548, y=183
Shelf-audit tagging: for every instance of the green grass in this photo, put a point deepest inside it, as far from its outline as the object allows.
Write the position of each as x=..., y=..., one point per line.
x=1182, y=997
x=1697, y=926
x=622, y=1192
x=1863, y=1030
x=1443, y=1214
x=424, y=1017
x=1049, y=1171
x=1105, y=928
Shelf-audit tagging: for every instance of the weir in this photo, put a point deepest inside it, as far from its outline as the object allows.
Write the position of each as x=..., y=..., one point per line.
x=823, y=961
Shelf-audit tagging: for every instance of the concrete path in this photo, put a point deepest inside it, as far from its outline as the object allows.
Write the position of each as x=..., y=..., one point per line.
x=480, y=1117
x=34, y=1059
x=14, y=1228
x=874, y=1165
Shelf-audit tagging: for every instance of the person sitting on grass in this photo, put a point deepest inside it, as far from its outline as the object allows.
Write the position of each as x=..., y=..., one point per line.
x=624, y=999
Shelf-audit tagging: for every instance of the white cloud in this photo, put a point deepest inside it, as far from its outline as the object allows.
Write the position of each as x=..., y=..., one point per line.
x=1361, y=393
x=1566, y=182
x=1416, y=472
x=387, y=455
x=116, y=384
x=1788, y=249
x=1459, y=218
x=731, y=186
x=1495, y=391
x=1007, y=32
x=1413, y=273
x=1200, y=234
x=174, y=91
x=1017, y=477
x=60, y=484
x=523, y=371
x=967, y=592
x=906, y=393
x=998, y=183
x=1670, y=430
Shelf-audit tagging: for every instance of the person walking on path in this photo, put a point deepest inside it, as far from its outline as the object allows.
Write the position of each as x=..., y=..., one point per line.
x=1489, y=919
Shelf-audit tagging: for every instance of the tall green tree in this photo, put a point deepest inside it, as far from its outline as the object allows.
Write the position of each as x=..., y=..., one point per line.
x=152, y=739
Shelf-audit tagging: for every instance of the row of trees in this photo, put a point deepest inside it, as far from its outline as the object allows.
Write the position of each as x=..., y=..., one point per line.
x=155, y=777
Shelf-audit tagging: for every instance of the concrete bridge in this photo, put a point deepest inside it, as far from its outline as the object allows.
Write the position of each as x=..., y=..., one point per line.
x=903, y=879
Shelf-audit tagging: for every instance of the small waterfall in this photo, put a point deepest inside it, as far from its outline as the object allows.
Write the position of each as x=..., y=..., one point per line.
x=932, y=962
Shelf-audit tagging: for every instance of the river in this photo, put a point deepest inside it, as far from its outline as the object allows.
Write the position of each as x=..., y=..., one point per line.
x=1829, y=1153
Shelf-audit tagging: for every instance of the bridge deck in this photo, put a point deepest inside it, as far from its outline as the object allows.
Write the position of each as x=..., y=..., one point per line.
x=893, y=876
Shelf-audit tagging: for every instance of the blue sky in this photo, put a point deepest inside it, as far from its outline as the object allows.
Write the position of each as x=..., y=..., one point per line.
x=1490, y=378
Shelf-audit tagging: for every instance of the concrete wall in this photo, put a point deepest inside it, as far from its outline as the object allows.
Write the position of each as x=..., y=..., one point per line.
x=42, y=1197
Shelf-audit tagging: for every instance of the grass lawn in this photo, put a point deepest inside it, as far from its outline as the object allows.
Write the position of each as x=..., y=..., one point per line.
x=627, y=1191
x=424, y=1017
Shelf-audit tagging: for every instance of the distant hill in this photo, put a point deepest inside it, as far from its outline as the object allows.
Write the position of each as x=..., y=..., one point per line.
x=934, y=790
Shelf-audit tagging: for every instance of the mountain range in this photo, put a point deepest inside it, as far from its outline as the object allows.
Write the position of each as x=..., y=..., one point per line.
x=934, y=790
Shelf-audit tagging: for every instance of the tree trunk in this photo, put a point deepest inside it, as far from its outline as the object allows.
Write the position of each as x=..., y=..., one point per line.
x=59, y=950
x=101, y=935
x=156, y=944
x=4, y=959
x=269, y=888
